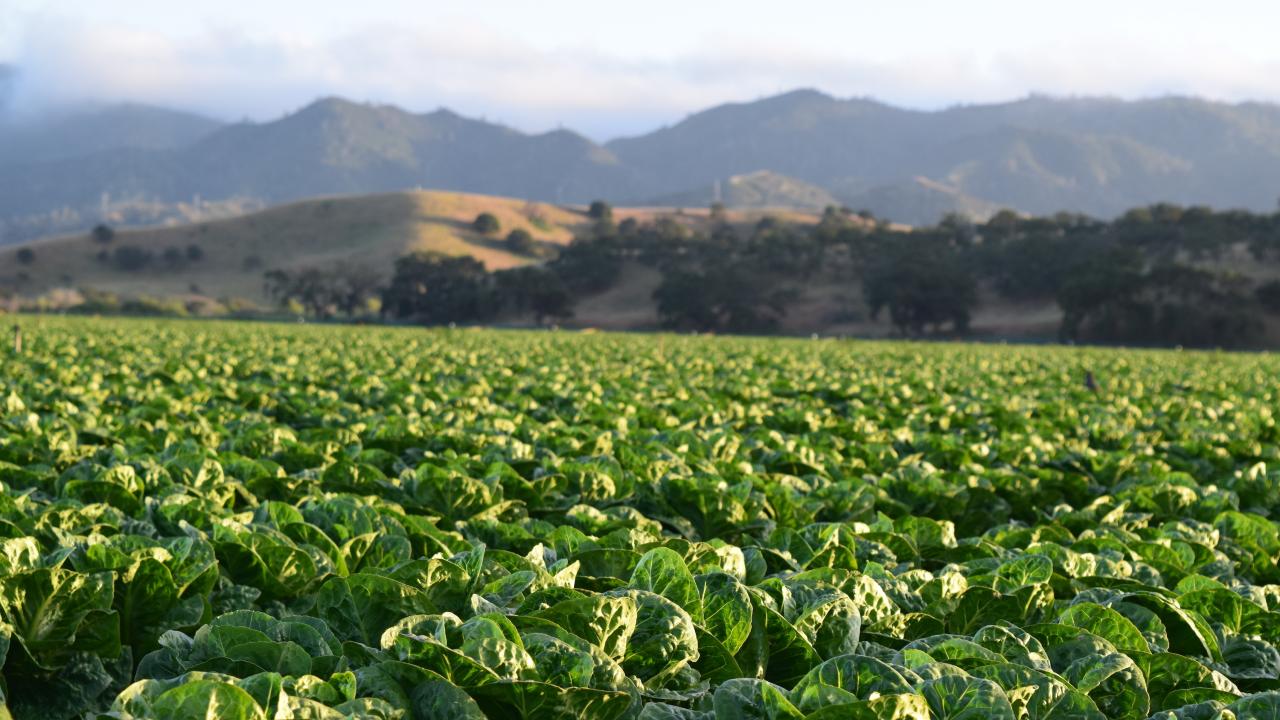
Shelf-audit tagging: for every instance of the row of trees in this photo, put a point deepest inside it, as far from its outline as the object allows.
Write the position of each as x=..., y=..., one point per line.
x=1156, y=275
x=425, y=287
x=434, y=288
x=132, y=258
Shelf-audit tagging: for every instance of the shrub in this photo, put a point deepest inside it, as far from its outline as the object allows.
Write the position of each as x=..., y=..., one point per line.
x=486, y=224
x=131, y=258
x=520, y=242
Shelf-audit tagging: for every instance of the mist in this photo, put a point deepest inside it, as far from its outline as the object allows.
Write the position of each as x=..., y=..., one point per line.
x=7, y=79
x=601, y=89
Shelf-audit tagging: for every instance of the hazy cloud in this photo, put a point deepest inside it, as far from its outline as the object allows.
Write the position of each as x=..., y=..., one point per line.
x=229, y=72
x=7, y=78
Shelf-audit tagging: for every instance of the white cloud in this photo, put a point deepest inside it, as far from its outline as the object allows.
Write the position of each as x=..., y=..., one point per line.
x=474, y=69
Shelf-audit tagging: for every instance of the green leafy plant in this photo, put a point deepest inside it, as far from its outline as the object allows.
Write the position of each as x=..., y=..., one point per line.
x=252, y=521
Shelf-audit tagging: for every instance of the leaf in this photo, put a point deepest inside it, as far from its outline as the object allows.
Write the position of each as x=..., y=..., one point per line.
x=1262, y=706
x=1105, y=623
x=362, y=606
x=540, y=701
x=752, y=699
x=664, y=640
x=1114, y=682
x=441, y=700
x=774, y=649
x=857, y=677
x=210, y=700
x=1024, y=571
x=891, y=707
x=1167, y=673
x=606, y=622
x=960, y=698
x=46, y=609
x=831, y=622
x=663, y=571
x=726, y=609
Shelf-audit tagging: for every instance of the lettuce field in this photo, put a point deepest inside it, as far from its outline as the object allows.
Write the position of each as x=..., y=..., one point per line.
x=219, y=520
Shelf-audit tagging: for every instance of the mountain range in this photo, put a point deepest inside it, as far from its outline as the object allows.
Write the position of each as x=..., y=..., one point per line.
x=134, y=164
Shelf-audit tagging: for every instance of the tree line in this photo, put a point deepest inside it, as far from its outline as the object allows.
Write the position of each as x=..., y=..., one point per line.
x=1158, y=275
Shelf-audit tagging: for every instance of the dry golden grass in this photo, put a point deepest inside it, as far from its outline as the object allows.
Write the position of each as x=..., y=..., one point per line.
x=370, y=230
x=367, y=230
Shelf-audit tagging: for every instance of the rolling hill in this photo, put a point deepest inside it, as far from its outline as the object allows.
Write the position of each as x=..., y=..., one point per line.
x=369, y=231
x=135, y=165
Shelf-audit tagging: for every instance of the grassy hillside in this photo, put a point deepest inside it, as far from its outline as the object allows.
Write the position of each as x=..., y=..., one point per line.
x=373, y=230
x=369, y=230
x=358, y=230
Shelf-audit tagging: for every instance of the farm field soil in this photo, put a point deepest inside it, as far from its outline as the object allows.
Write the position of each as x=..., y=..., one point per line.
x=222, y=520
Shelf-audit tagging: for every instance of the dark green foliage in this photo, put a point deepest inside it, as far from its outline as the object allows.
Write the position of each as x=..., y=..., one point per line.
x=258, y=521
x=433, y=289
x=1114, y=299
x=1268, y=295
x=600, y=210
x=26, y=255
x=923, y=283
x=385, y=542
x=323, y=292
x=102, y=234
x=486, y=224
x=721, y=300
x=589, y=265
x=131, y=258
x=520, y=242
x=536, y=290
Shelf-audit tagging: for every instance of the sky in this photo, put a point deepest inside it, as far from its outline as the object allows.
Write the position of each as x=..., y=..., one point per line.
x=608, y=68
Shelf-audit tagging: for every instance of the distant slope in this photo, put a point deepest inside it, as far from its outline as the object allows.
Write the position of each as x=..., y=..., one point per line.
x=72, y=134
x=761, y=189
x=366, y=230
x=919, y=201
x=803, y=134
x=337, y=146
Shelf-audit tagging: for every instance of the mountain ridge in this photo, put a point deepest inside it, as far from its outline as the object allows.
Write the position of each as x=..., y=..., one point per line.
x=1038, y=155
